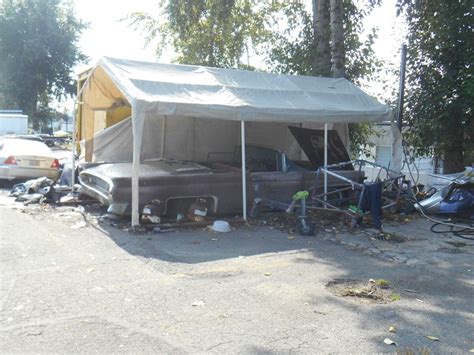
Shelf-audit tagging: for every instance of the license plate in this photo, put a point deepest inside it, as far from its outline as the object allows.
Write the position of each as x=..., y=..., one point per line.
x=34, y=162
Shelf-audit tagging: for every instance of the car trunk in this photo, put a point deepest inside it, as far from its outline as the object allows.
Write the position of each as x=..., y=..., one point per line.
x=34, y=161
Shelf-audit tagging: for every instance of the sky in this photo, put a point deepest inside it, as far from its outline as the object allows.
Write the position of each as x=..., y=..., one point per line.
x=108, y=36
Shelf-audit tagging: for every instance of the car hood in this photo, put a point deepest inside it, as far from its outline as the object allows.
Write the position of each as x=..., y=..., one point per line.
x=148, y=169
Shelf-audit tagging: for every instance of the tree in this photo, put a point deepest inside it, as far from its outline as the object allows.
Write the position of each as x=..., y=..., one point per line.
x=327, y=43
x=38, y=49
x=321, y=38
x=440, y=89
x=219, y=33
x=338, y=69
x=214, y=33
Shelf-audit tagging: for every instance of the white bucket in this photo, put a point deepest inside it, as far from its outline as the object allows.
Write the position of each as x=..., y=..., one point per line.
x=221, y=226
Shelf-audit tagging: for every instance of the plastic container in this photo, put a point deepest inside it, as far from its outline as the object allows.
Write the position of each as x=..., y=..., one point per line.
x=221, y=226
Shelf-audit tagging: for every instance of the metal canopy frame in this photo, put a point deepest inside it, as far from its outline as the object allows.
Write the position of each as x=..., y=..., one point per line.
x=392, y=182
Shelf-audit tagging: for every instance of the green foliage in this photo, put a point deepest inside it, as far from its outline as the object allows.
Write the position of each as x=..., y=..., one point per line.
x=220, y=33
x=382, y=282
x=359, y=134
x=440, y=85
x=38, y=49
x=213, y=33
x=395, y=297
x=293, y=50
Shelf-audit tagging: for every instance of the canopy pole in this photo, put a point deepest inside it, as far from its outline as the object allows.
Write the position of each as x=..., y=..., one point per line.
x=73, y=150
x=138, y=118
x=74, y=113
x=244, y=168
x=163, y=137
x=325, y=162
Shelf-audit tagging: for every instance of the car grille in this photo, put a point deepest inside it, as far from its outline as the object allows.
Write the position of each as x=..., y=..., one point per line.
x=97, y=182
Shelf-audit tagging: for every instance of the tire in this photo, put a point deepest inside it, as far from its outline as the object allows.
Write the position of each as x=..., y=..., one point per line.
x=306, y=228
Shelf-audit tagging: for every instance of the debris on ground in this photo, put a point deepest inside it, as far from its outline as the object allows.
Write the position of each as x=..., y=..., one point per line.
x=44, y=191
x=389, y=342
x=78, y=225
x=366, y=291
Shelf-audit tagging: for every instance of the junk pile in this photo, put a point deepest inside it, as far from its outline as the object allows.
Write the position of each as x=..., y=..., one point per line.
x=41, y=190
x=355, y=198
x=454, y=197
x=453, y=200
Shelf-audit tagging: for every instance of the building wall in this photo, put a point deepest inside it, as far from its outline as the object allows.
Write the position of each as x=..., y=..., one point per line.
x=13, y=124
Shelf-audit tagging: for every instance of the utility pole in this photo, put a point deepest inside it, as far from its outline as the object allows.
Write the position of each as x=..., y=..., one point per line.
x=401, y=90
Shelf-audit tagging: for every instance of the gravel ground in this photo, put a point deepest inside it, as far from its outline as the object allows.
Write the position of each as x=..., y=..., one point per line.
x=69, y=287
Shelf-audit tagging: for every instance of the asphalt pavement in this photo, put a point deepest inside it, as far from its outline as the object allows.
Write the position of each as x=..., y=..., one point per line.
x=71, y=285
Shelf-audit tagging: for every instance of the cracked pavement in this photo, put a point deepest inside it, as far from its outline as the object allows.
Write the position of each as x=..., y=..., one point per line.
x=98, y=289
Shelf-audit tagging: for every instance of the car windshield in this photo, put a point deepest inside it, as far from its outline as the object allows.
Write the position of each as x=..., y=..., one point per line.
x=25, y=147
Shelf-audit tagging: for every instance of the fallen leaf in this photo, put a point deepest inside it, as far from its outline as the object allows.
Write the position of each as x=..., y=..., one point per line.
x=389, y=342
x=392, y=329
x=267, y=274
x=430, y=337
x=197, y=303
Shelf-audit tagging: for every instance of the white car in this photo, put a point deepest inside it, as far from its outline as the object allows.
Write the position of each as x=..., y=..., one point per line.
x=24, y=158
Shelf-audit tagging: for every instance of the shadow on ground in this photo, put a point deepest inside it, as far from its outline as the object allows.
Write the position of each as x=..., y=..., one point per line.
x=193, y=246
x=434, y=301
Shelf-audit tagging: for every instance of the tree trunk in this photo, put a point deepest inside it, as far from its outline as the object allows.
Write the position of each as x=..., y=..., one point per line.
x=453, y=159
x=337, y=40
x=322, y=59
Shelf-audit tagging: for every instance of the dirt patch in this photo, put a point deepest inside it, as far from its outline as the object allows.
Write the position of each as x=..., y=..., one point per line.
x=392, y=237
x=372, y=291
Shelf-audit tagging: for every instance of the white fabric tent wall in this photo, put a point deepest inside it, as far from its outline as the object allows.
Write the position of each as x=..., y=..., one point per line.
x=155, y=90
x=193, y=139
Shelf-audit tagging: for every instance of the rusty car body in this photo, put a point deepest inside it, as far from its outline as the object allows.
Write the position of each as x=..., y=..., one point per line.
x=175, y=185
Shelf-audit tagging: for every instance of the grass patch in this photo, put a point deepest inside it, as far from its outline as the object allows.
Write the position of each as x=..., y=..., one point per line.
x=382, y=283
x=395, y=297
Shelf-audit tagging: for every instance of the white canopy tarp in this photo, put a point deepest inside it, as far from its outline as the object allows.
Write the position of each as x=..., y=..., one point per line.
x=157, y=91
x=228, y=94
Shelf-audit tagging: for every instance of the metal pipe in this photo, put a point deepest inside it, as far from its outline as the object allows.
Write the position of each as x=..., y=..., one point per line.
x=349, y=181
x=73, y=161
x=325, y=160
x=244, y=173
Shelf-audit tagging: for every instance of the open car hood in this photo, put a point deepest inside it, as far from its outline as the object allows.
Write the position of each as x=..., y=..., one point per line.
x=312, y=143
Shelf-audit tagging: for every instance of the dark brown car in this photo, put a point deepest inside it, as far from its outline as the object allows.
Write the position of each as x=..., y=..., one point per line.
x=176, y=185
